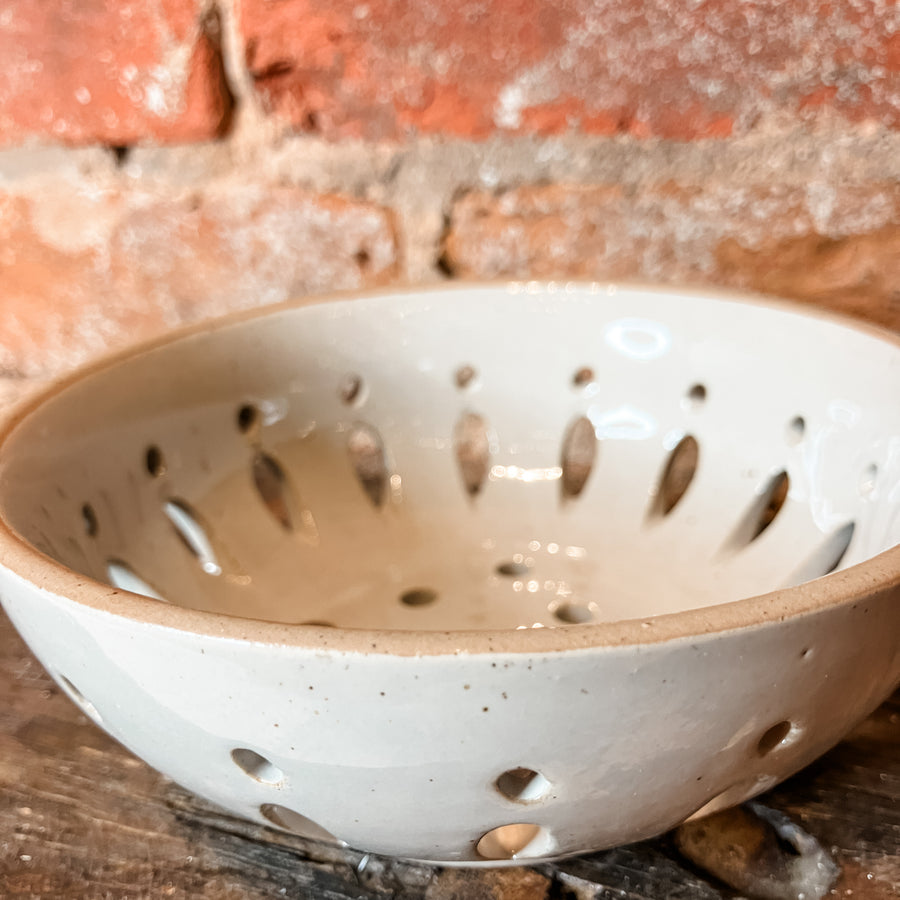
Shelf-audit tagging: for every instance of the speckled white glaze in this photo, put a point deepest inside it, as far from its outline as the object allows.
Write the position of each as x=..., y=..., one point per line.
x=708, y=668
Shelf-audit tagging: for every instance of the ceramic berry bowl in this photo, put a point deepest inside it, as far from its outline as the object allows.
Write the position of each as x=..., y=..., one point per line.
x=469, y=575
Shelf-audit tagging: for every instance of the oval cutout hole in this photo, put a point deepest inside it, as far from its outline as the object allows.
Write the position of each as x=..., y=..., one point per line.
x=473, y=451
x=292, y=821
x=518, y=841
x=193, y=534
x=418, y=597
x=273, y=489
x=89, y=520
x=762, y=511
x=579, y=450
x=352, y=390
x=583, y=377
x=154, y=461
x=827, y=557
x=513, y=569
x=257, y=766
x=677, y=475
x=465, y=376
x=773, y=737
x=278, y=496
x=522, y=785
x=367, y=457
x=247, y=418
x=573, y=614
x=122, y=576
x=696, y=396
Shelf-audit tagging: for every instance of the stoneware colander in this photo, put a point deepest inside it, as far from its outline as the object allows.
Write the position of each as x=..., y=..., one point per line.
x=475, y=574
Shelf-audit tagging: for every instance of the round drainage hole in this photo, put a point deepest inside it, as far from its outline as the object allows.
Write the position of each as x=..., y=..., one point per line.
x=418, y=597
x=89, y=520
x=762, y=511
x=465, y=376
x=271, y=484
x=247, y=418
x=773, y=738
x=512, y=569
x=795, y=430
x=522, y=785
x=517, y=841
x=696, y=395
x=579, y=450
x=367, y=456
x=583, y=377
x=677, y=475
x=154, y=461
x=256, y=766
x=472, y=447
x=292, y=821
x=352, y=390
x=573, y=614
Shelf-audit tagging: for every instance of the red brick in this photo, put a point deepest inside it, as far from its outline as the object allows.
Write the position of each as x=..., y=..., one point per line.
x=832, y=244
x=858, y=274
x=110, y=73
x=387, y=68
x=83, y=273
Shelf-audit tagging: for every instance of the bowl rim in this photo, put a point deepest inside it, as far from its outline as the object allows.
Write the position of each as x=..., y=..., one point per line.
x=847, y=587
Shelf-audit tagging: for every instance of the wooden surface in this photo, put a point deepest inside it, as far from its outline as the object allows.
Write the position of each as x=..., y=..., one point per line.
x=80, y=817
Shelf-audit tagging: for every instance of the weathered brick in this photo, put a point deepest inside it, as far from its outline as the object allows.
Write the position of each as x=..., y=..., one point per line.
x=385, y=68
x=858, y=274
x=85, y=272
x=837, y=245
x=110, y=73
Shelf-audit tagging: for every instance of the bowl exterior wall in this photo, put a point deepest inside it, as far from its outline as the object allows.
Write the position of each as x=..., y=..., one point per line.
x=401, y=754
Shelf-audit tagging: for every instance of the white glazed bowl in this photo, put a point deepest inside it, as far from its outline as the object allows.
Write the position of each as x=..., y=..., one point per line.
x=566, y=534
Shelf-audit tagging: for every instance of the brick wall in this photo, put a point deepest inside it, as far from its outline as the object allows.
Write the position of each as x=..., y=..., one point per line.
x=171, y=159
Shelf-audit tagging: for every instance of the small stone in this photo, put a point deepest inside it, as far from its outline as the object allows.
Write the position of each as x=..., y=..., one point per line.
x=488, y=884
x=759, y=851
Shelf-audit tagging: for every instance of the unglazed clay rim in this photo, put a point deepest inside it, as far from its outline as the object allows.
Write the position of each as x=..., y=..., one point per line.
x=848, y=586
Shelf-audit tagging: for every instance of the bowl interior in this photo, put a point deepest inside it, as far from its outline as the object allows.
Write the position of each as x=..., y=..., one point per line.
x=487, y=457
